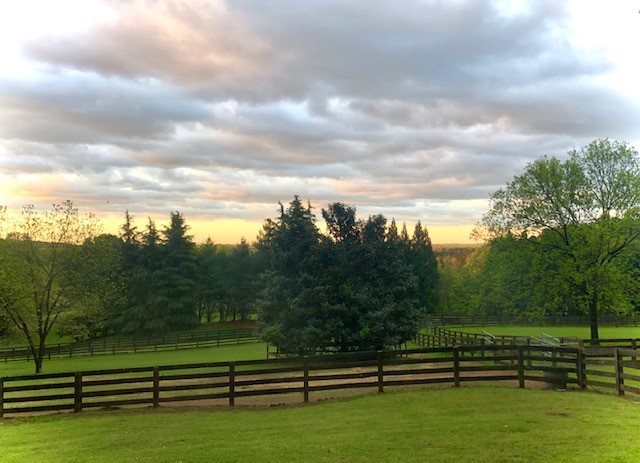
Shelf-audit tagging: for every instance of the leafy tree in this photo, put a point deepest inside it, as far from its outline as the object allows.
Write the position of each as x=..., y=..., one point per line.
x=36, y=263
x=589, y=203
x=101, y=288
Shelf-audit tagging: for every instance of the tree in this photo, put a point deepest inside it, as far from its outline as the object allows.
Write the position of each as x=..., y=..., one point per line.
x=290, y=245
x=353, y=289
x=161, y=273
x=208, y=282
x=101, y=288
x=37, y=263
x=590, y=203
x=177, y=275
x=425, y=265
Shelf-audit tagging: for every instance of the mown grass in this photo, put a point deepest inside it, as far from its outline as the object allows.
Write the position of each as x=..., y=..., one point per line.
x=582, y=332
x=15, y=338
x=232, y=352
x=479, y=424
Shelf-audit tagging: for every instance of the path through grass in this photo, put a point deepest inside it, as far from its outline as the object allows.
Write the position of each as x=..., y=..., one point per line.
x=479, y=424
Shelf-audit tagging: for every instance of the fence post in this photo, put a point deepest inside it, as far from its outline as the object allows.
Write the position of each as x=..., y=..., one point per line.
x=511, y=361
x=619, y=371
x=582, y=377
x=156, y=386
x=232, y=384
x=77, y=392
x=380, y=372
x=1, y=398
x=634, y=346
x=456, y=367
x=521, y=366
x=306, y=380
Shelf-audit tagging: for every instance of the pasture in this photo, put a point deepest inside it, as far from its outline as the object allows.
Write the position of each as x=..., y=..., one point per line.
x=480, y=424
x=232, y=352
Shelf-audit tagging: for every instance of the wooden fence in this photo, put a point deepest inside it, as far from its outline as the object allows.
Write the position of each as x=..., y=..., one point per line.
x=556, y=320
x=438, y=336
x=307, y=378
x=123, y=345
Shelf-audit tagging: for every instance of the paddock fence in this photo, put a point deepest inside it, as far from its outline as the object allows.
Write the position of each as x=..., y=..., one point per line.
x=439, y=336
x=303, y=377
x=133, y=345
x=555, y=320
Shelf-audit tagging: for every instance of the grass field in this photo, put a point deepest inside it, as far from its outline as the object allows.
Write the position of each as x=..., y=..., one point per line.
x=582, y=332
x=16, y=338
x=479, y=424
x=248, y=351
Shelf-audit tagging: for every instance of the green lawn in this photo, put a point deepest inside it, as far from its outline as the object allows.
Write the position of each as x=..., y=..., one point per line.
x=248, y=351
x=479, y=424
x=582, y=332
x=16, y=338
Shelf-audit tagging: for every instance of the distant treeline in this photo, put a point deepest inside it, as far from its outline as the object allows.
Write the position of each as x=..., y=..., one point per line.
x=364, y=284
x=512, y=276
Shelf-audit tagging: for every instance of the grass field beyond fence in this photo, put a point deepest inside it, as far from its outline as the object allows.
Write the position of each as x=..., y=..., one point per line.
x=580, y=332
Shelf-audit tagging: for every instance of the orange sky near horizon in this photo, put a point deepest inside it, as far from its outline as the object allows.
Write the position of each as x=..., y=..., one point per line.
x=230, y=231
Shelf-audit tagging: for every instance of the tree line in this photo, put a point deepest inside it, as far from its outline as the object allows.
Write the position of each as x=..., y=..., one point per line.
x=563, y=237
x=58, y=272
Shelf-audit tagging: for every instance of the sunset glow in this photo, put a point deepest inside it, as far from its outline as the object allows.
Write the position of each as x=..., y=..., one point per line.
x=220, y=110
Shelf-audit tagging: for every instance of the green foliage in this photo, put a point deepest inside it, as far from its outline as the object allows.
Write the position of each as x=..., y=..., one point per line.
x=577, y=221
x=37, y=284
x=161, y=277
x=363, y=287
x=100, y=288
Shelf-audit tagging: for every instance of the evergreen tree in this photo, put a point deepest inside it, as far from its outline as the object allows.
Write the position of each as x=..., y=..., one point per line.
x=207, y=281
x=425, y=265
x=176, y=276
x=351, y=290
x=291, y=244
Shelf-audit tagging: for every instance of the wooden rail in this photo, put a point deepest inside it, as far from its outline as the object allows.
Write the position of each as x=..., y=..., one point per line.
x=233, y=382
x=557, y=320
x=118, y=346
x=439, y=336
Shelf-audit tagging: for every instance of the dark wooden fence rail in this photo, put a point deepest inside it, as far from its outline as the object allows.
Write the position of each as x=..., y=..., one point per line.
x=116, y=346
x=557, y=320
x=439, y=336
x=613, y=369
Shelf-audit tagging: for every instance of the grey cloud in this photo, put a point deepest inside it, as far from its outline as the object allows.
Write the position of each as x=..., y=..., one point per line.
x=224, y=108
x=85, y=108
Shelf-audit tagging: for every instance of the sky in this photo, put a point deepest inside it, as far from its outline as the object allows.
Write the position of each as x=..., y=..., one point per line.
x=418, y=109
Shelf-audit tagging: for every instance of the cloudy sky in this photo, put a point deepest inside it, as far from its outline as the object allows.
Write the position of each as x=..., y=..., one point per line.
x=220, y=109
